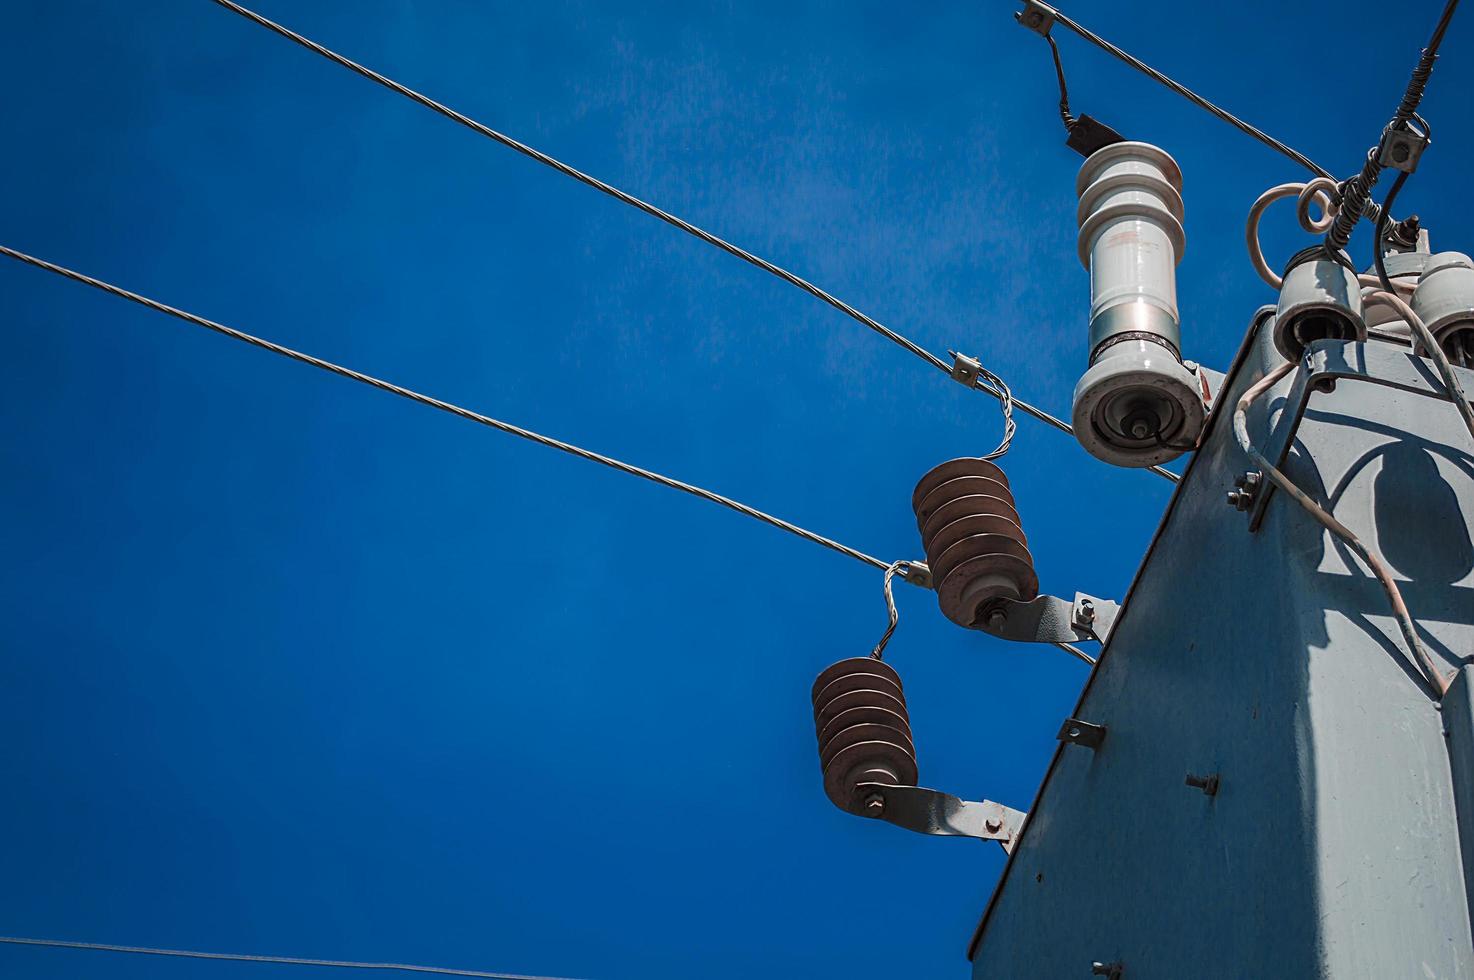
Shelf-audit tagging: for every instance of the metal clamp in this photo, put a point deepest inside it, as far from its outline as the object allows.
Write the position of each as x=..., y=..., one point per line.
x=928, y=811
x=1050, y=619
x=918, y=574
x=966, y=370
x=1401, y=149
x=1037, y=17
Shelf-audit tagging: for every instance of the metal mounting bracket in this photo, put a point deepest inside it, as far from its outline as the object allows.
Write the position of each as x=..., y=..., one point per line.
x=1050, y=619
x=928, y=811
x=1037, y=17
x=1325, y=362
x=1078, y=732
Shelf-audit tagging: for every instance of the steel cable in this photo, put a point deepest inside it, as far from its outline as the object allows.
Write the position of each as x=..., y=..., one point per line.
x=286, y=960
x=456, y=410
x=644, y=206
x=1190, y=95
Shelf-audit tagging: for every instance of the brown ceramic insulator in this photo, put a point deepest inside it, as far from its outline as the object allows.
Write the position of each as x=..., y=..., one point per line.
x=975, y=544
x=952, y=469
x=864, y=732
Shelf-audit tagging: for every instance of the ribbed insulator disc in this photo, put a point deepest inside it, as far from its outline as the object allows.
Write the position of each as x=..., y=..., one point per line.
x=943, y=552
x=878, y=700
x=952, y=469
x=973, y=584
x=956, y=510
x=963, y=486
x=862, y=715
x=853, y=667
x=974, y=541
x=864, y=733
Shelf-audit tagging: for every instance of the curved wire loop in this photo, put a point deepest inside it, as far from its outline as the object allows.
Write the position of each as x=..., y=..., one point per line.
x=890, y=605
x=999, y=389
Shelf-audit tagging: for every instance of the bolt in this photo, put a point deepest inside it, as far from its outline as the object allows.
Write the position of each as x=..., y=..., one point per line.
x=1032, y=18
x=993, y=824
x=1400, y=152
x=1208, y=784
x=1325, y=385
x=1239, y=500
x=1087, y=611
x=1111, y=971
x=874, y=804
x=996, y=619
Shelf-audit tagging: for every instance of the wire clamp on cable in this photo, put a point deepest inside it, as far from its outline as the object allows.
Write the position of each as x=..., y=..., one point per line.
x=1037, y=17
x=917, y=573
x=1401, y=149
x=965, y=370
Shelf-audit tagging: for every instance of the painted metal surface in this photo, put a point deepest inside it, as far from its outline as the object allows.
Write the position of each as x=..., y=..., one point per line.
x=1329, y=846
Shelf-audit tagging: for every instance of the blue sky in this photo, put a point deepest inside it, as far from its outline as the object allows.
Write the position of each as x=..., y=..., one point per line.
x=296, y=667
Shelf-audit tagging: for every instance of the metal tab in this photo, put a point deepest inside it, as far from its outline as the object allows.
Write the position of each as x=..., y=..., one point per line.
x=1050, y=619
x=1037, y=17
x=1078, y=732
x=928, y=811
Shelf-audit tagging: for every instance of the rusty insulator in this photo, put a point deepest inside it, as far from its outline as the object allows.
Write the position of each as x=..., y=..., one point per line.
x=864, y=731
x=974, y=544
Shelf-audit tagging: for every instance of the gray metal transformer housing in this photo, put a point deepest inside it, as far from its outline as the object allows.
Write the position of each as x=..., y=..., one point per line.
x=1265, y=664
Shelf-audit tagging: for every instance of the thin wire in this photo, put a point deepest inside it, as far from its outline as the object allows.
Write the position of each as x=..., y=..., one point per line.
x=287, y=960
x=890, y=604
x=1431, y=350
x=1190, y=95
x=1378, y=260
x=584, y=178
x=1064, y=90
x=635, y=202
x=456, y=410
x=1075, y=651
x=1327, y=520
x=1004, y=395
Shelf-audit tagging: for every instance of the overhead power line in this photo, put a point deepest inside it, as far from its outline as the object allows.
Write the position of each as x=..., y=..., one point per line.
x=1183, y=91
x=287, y=960
x=650, y=209
x=456, y=410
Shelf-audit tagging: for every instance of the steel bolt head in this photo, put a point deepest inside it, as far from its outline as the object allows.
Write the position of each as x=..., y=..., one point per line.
x=994, y=825
x=875, y=804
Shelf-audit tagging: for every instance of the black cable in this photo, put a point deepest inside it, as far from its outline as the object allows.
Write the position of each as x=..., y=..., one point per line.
x=1382, y=221
x=1358, y=190
x=644, y=206
x=1193, y=97
x=1064, y=90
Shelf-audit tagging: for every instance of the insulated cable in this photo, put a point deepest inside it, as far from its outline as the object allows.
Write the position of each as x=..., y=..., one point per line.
x=1191, y=96
x=443, y=406
x=638, y=204
x=1358, y=190
x=1378, y=259
x=286, y=960
x=1400, y=612
x=1431, y=350
x=1319, y=191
